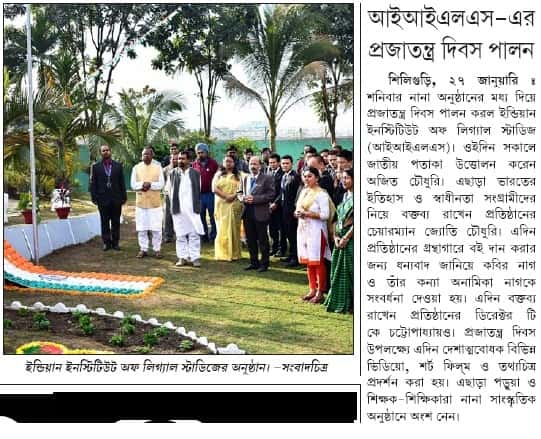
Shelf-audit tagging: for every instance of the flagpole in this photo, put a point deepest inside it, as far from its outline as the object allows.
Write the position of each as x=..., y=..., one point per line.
x=31, y=134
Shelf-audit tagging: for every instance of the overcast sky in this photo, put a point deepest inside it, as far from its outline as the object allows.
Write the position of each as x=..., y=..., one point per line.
x=228, y=112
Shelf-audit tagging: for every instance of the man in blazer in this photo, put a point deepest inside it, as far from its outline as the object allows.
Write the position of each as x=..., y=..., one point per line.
x=108, y=192
x=289, y=188
x=279, y=242
x=257, y=191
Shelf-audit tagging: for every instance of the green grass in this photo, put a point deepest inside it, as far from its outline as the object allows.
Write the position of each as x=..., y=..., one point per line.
x=80, y=206
x=261, y=312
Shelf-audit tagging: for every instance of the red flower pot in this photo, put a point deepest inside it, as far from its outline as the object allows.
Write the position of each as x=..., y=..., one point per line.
x=27, y=214
x=62, y=212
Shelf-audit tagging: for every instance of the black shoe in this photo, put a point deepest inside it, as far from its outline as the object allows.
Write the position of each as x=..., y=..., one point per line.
x=168, y=240
x=106, y=247
x=251, y=267
x=262, y=269
x=116, y=247
x=279, y=254
x=292, y=264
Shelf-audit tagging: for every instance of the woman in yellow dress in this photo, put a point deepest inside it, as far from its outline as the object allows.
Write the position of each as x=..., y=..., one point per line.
x=227, y=212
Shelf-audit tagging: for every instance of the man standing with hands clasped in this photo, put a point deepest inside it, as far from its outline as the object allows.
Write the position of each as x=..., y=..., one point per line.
x=257, y=191
x=108, y=192
x=147, y=180
x=185, y=192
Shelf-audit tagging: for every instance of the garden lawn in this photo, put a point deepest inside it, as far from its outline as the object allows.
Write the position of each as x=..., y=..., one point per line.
x=260, y=312
x=79, y=206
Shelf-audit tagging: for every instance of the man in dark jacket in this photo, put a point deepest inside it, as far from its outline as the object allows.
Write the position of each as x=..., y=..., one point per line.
x=325, y=180
x=289, y=187
x=257, y=192
x=279, y=242
x=108, y=192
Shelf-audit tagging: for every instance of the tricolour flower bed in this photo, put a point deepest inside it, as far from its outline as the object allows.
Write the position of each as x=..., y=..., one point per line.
x=22, y=275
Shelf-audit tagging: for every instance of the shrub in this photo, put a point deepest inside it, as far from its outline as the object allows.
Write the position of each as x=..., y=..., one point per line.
x=150, y=339
x=8, y=324
x=117, y=340
x=88, y=329
x=162, y=331
x=191, y=138
x=85, y=322
x=243, y=143
x=127, y=320
x=127, y=329
x=23, y=312
x=41, y=321
x=185, y=345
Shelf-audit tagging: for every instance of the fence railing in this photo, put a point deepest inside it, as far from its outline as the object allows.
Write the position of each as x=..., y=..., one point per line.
x=262, y=133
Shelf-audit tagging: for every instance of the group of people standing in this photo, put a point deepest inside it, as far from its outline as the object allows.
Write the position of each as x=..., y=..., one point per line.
x=307, y=213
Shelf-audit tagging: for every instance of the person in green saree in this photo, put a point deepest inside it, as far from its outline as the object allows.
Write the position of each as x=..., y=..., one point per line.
x=340, y=297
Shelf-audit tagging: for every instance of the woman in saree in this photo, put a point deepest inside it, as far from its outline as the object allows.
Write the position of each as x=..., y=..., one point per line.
x=227, y=212
x=340, y=297
x=314, y=210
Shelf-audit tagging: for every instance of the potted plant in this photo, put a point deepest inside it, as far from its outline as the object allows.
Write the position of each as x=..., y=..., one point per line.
x=25, y=206
x=61, y=202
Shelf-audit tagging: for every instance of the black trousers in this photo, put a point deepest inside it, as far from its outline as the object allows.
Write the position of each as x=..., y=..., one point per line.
x=279, y=241
x=258, y=239
x=110, y=222
x=289, y=230
x=168, y=230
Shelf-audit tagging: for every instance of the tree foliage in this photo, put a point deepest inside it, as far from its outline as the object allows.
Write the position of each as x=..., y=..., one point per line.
x=202, y=40
x=100, y=35
x=333, y=33
x=144, y=118
x=274, y=62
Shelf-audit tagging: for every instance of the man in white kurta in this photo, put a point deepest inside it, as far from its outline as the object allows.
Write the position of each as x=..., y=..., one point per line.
x=184, y=193
x=147, y=180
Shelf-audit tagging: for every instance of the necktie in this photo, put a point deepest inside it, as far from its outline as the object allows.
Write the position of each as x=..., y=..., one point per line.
x=252, y=184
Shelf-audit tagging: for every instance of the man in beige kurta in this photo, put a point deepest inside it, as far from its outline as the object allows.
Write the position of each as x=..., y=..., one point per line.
x=147, y=180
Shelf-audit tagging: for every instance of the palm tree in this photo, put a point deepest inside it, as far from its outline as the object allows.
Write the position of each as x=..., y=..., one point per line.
x=334, y=81
x=274, y=63
x=15, y=130
x=145, y=118
x=56, y=130
x=45, y=38
x=16, y=138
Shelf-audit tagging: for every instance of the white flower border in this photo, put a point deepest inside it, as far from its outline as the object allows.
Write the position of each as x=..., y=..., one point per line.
x=230, y=349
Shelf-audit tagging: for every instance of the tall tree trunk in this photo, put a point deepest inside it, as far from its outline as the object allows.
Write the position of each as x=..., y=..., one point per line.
x=334, y=104
x=332, y=128
x=272, y=132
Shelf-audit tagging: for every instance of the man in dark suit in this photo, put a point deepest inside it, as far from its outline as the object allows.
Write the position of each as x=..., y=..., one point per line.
x=344, y=160
x=108, y=192
x=257, y=191
x=289, y=187
x=325, y=180
x=279, y=242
